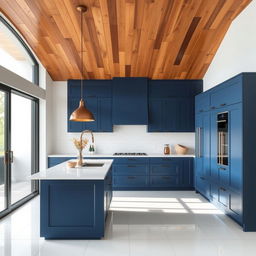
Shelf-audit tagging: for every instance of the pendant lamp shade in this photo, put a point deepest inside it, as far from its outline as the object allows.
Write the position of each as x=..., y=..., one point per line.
x=82, y=114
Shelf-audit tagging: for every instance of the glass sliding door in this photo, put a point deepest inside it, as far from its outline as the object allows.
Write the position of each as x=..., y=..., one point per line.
x=3, y=148
x=18, y=148
x=23, y=146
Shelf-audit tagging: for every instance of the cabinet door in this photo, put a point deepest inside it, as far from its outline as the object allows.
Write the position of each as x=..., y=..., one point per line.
x=236, y=165
x=178, y=114
x=214, y=167
x=188, y=172
x=185, y=115
x=92, y=104
x=229, y=93
x=202, y=102
x=105, y=115
x=170, y=114
x=130, y=101
x=155, y=115
x=206, y=136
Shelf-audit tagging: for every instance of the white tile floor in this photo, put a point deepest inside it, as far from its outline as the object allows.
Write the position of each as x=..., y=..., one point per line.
x=141, y=223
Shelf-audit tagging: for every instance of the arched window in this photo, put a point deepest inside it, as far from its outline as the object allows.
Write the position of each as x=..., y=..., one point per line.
x=15, y=55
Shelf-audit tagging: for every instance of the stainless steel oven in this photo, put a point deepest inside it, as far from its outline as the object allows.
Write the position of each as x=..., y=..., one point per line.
x=222, y=139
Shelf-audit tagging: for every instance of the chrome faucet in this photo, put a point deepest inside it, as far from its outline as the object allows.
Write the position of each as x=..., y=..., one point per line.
x=80, y=159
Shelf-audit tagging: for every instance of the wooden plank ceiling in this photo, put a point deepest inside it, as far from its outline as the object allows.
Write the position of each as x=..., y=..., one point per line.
x=159, y=39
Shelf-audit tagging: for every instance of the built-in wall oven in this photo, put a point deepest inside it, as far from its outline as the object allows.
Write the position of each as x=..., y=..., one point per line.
x=222, y=139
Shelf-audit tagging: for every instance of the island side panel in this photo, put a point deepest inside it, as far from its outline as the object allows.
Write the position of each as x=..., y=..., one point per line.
x=72, y=209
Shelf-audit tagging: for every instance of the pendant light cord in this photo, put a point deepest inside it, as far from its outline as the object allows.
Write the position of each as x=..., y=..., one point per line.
x=82, y=65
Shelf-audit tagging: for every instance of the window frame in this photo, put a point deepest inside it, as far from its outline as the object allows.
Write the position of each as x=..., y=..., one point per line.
x=35, y=73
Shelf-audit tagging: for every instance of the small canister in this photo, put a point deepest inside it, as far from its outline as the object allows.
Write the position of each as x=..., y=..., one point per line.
x=167, y=150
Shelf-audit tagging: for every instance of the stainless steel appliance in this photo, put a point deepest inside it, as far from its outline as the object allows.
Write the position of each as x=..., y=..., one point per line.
x=222, y=139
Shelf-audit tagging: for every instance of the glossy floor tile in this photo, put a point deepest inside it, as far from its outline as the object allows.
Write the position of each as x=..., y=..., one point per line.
x=159, y=223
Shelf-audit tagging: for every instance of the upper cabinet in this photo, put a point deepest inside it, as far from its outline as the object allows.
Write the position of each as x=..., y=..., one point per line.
x=130, y=101
x=98, y=99
x=229, y=92
x=171, y=105
x=202, y=102
x=163, y=105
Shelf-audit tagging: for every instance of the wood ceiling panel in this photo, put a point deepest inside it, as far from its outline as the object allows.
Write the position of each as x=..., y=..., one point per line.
x=159, y=39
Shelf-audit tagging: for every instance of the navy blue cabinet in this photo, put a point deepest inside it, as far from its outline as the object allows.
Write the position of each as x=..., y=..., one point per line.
x=74, y=209
x=163, y=105
x=98, y=99
x=148, y=173
x=130, y=101
x=171, y=105
x=228, y=179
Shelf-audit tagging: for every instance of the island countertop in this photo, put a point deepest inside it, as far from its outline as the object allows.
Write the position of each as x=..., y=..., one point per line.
x=122, y=156
x=63, y=172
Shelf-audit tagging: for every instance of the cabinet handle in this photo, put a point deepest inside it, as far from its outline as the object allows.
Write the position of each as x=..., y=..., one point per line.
x=198, y=148
x=201, y=110
x=222, y=168
x=131, y=166
x=202, y=178
x=223, y=189
x=213, y=107
x=166, y=178
x=131, y=177
x=223, y=104
x=131, y=159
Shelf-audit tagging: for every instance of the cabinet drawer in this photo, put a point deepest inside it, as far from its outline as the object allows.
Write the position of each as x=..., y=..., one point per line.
x=131, y=160
x=224, y=174
x=165, y=169
x=130, y=169
x=227, y=95
x=164, y=181
x=224, y=197
x=130, y=181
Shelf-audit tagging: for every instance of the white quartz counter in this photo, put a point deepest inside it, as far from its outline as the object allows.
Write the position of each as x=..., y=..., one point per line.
x=62, y=172
x=114, y=156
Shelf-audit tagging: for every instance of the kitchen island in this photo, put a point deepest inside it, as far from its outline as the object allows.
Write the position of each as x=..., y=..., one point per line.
x=74, y=202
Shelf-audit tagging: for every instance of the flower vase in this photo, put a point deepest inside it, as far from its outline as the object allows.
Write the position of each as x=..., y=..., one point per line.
x=80, y=158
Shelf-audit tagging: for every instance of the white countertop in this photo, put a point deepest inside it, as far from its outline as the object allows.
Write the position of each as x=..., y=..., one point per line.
x=112, y=156
x=62, y=172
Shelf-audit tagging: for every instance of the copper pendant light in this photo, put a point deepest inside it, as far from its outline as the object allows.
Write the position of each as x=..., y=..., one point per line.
x=82, y=114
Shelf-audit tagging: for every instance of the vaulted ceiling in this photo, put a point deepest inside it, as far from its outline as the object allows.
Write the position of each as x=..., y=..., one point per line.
x=159, y=39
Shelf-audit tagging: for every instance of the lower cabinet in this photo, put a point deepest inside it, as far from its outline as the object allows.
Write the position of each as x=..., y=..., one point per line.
x=202, y=185
x=156, y=173
x=148, y=173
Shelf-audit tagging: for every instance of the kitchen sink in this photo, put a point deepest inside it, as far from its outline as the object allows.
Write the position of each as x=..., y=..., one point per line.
x=93, y=164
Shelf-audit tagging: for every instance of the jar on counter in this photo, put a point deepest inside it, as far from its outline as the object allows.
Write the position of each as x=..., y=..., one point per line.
x=167, y=150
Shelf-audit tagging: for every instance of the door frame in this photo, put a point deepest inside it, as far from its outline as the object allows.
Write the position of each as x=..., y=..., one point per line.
x=35, y=157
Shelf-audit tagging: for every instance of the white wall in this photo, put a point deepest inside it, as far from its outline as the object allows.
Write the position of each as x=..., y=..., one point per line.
x=129, y=138
x=237, y=52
